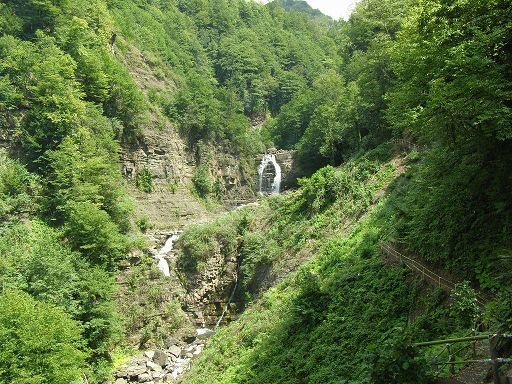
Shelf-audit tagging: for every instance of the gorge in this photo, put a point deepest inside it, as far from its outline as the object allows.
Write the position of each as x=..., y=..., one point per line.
x=209, y=192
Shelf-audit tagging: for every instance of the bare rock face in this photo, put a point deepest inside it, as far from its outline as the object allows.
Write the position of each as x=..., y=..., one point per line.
x=162, y=153
x=172, y=166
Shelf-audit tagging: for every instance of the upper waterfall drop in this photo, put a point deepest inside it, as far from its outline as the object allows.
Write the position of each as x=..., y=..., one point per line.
x=269, y=172
x=163, y=265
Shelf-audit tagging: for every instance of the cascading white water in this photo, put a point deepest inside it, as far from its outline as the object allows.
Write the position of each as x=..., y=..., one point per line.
x=163, y=265
x=227, y=305
x=275, y=187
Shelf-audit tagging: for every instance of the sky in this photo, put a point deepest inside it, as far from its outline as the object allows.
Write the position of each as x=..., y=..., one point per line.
x=335, y=8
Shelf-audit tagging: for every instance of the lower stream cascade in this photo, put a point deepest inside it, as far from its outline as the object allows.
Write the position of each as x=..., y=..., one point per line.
x=269, y=172
x=167, y=365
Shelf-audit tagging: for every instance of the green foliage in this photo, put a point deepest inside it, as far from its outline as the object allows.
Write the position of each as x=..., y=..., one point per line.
x=199, y=243
x=455, y=54
x=144, y=180
x=17, y=188
x=34, y=259
x=340, y=306
x=445, y=211
x=202, y=182
x=161, y=316
x=464, y=304
x=144, y=223
x=297, y=5
x=398, y=362
x=343, y=113
x=91, y=231
x=39, y=343
x=319, y=191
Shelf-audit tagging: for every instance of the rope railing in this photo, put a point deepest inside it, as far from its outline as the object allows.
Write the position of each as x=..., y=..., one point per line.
x=415, y=265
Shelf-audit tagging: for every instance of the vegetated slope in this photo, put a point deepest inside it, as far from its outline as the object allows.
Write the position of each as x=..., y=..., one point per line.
x=64, y=213
x=297, y=5
x=210, y=69
x=432, y=73
x=345, y=317
x=407, y=77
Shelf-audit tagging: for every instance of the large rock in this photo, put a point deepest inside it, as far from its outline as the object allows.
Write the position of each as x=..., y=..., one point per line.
x=204, y=333
x=154, y=366
x=144, y=378
x=160, y=358
x=174, y=350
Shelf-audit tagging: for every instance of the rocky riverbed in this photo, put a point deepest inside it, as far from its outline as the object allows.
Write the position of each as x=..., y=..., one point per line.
x=163, y=366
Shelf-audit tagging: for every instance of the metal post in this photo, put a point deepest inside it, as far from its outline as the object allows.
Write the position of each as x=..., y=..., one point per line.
x=493, y=339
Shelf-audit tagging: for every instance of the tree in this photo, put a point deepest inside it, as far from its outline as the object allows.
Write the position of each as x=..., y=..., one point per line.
x=39, y=343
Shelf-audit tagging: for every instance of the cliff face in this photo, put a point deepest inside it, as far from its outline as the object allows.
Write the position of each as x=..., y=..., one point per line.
x=171, y=203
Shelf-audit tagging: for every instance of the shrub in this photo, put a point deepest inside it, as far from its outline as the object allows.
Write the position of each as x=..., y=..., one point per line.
x=39, y=343
x=396, y=362
x=203, y=185
x=16, y=187
x=464, y=305
x=144, y=223
x=144, y=180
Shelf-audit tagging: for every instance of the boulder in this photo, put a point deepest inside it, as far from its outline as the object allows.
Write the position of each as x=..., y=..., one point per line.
x=174, y=350
x=154, y=367
x=160, y=358
x=144, y=378
x=204, y=333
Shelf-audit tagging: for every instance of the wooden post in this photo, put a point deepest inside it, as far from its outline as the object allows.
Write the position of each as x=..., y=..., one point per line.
x=474, y=342
x=451, y=358
x=493, y=340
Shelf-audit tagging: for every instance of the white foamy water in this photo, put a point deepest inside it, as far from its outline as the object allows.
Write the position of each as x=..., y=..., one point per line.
x=266, y=162
x=163, y=265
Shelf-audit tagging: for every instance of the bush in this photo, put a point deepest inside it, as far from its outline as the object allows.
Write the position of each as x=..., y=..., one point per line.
x=144, y=180
x=203, y=185
x=39, y=343
x=16, y=187
x=396, y=362
x=464, y=305
x=144, y=223
x=92, y=232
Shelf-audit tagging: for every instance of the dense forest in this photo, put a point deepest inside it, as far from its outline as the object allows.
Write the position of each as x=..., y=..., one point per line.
x=401, y=120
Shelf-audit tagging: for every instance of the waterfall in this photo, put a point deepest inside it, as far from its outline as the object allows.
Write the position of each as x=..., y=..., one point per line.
x=227, y=305
x=265, y=173
x=163, y=265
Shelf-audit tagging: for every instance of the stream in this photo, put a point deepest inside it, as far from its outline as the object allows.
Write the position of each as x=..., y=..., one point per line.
x=168, y=365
